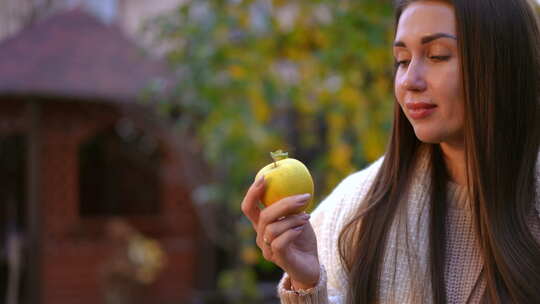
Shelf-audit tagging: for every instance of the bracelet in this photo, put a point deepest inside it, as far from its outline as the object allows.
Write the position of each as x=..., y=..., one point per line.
x=287, y=291
x=302, y=292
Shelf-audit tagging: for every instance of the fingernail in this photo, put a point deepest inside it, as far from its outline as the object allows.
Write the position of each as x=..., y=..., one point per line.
x=259, y=181
x=303, y=198
x=305, y=216
x=299, y=228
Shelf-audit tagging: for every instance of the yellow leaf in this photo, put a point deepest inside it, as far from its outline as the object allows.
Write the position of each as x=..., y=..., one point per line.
x=373, y=144
x=250, y=255
x=340, y=157
x=321, y=39
x=336, y=121
x=349, y=96
x=237, y=72
x=259, y=106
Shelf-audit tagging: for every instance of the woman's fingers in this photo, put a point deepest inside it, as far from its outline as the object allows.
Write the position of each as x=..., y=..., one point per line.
x=278, y=211
x=274, y=214
x=280, y=244
x=277, y=228
x=274, y=230
x=249, y=204
x=266, y=250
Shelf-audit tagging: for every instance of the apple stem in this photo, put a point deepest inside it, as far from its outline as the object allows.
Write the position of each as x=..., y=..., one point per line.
x=278, y=155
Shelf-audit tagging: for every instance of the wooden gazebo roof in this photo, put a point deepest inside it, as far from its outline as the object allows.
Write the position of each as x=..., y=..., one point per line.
x=74, y=55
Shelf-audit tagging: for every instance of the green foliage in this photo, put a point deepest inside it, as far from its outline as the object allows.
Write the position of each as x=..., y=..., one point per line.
x=313, y=78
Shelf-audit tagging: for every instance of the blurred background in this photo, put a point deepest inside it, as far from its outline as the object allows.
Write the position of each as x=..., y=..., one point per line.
x=131, y=129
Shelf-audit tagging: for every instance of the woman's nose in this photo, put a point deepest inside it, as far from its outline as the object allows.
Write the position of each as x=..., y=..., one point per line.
x=414, y=78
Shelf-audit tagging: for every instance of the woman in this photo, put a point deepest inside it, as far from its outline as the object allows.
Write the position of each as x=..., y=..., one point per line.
x=451, y=213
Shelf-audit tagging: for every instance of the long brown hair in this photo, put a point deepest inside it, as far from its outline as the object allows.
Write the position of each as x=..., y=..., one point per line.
x=499, y=45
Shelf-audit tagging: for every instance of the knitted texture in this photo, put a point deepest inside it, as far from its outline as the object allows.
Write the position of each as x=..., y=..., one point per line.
x=405, y=277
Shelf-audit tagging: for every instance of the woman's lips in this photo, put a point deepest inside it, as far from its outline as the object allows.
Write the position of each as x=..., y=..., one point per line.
x=419, y=110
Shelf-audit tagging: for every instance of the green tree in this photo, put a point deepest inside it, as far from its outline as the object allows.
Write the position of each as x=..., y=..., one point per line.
x=313, y=78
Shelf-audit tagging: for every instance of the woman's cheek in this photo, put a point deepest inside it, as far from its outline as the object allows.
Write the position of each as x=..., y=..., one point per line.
x=398, y=92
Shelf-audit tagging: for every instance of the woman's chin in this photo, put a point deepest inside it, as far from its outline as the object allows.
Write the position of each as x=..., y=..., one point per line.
x=427, y=137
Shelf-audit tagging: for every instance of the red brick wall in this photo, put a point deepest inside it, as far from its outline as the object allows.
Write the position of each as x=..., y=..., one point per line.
x=74, y=249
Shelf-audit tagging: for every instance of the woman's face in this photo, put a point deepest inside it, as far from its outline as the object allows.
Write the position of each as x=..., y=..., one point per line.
x=428, y=83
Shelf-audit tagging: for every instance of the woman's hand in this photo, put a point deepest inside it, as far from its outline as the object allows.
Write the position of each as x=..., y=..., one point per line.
x=286, y=240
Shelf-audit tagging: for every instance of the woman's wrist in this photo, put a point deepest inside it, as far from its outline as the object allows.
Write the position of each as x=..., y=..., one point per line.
x=297, y=286
x=301, y=285
x=317, y=290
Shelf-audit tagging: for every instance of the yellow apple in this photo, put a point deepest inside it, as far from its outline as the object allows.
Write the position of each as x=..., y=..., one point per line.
x=285, y=177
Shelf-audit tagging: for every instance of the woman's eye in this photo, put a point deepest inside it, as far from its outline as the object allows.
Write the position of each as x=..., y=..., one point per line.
x=399, y=63
x=439, y=58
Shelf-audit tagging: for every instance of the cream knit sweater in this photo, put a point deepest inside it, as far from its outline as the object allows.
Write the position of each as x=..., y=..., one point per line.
x=463, y=270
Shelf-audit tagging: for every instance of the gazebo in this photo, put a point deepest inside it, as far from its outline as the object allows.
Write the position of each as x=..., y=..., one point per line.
x=78, y=150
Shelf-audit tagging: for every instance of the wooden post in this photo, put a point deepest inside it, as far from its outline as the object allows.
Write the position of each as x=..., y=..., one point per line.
x=33, y=208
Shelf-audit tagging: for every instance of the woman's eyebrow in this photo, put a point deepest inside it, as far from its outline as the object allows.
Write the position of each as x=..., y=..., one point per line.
x=427, y=39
